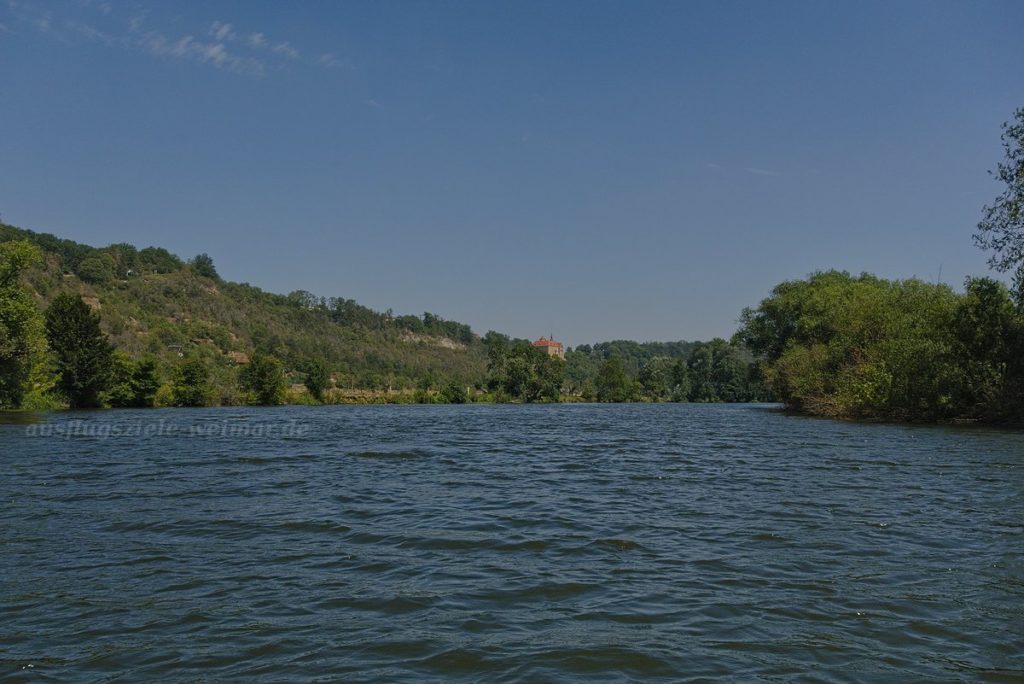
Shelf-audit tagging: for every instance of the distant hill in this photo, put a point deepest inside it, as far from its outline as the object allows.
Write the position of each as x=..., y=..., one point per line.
x=154, y=303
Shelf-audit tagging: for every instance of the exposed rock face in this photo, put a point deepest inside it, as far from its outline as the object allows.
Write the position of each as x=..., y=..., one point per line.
x=444, y=342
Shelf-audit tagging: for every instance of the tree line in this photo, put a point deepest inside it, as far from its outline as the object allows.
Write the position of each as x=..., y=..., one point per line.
x=831, y=344
x=864, y=347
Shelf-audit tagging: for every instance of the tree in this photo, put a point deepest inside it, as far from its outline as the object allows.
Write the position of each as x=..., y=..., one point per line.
x=612, y=382
x=454, y=393
x=134, y=384
x=22, y=339
x=145, y=382
x=158, y=260
x=202, y=264
x=518, y=370
x=264, y=379
x=1001, y=230
x=547, y=374
x=317, y=378
x=656, y=378
x=990, y=336
x=863, y=347
x=680, y=381
x=191, y=386
x=84, y=357
x=97, y=268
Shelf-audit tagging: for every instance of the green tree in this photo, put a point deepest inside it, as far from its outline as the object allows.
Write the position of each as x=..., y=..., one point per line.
x=264, y=378
x=134, y=384
x=680, y=381
x=21, y=324
x=191, y=384
x=863, y=347
x=547, y=373
x=990, y=335
x=202, y=264
x=1001, y=230
x=158, y=260
x=317, y=379
x=145, y=383
x=97, y=268
x=83, y=356
x=126, y=259
x=454, y=393
x=612, y=382
x=656, y=378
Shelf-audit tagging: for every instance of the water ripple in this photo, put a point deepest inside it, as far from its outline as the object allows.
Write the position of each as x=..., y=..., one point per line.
x=511, y=543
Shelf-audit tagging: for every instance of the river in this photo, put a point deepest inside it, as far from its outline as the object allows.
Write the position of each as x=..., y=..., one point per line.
x=507, y=543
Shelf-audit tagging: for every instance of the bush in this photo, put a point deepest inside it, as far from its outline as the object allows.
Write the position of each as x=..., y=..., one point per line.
x=454, y=393
x=191, y=385
x=97, y=268
x=264, y=379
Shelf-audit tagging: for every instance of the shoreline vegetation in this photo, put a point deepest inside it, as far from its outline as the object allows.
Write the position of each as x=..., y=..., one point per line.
x=151, y=330
x=126, y=327
x=87, y=327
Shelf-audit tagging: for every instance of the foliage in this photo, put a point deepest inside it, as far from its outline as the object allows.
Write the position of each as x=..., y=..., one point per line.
x=21, y=324
x=97, y=268
x=864, y=347
x=191, y=384
x=519, y=371
x=83, y=355
x=158, y=260
x=1001, y=230
x=664, y=371
x=158, y=306
x=134, y=383
x=317, y=379
x=612, y=382
x=264, y=379
x=202, y=264
x=454, y=393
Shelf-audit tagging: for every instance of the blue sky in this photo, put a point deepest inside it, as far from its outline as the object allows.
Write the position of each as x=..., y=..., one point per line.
x=596, y=170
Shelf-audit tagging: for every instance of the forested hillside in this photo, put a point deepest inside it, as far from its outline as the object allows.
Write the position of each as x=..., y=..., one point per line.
x=165, y=331
x=151, y=303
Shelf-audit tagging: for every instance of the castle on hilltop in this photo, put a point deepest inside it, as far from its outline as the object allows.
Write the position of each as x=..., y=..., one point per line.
x=550, y=347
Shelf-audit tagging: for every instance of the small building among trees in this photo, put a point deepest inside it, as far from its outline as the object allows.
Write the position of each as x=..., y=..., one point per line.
x=549, y=346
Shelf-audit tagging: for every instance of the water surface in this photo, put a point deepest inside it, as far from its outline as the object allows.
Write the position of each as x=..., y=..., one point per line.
x=507, y=543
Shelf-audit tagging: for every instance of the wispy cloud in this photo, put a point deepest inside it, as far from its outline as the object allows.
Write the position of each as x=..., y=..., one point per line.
x=196, y=50
x=89, y=32
x=762, y=172
x=222, y=31
x=331, y=62
x=220, y=44
x=286, y=49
